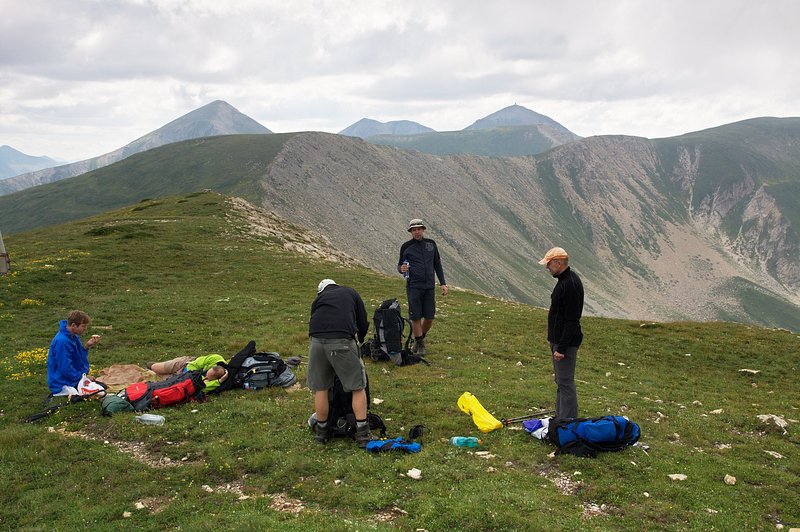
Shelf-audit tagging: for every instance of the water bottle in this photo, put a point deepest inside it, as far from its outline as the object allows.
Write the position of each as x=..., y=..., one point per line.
x=150, y=419
x=465, y=441
x=406, y=273
x=249, y=386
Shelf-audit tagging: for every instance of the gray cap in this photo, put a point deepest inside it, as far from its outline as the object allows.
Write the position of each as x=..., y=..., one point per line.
x=416, y=222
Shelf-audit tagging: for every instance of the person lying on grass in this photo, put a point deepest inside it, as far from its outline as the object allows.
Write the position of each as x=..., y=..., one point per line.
x=213, y=374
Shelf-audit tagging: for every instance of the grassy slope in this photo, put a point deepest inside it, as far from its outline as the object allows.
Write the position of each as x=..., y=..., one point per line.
x=229, y=164
x=171, y=277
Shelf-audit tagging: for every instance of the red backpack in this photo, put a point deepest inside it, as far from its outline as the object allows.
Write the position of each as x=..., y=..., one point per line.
x=175, y=390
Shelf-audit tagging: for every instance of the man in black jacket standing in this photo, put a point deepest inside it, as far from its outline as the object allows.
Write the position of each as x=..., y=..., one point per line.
x=420, y=258
x=564, y=329
x=338, y=318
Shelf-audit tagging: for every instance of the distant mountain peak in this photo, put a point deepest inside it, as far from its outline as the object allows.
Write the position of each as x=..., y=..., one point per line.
x=514, y=115
x=13, y=162
x=367, y=127
x=211, y=120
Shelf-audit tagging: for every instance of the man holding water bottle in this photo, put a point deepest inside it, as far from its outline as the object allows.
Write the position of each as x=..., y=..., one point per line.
x=419, y=261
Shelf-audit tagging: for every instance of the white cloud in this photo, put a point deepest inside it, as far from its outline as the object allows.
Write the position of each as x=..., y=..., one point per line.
x=84, y=77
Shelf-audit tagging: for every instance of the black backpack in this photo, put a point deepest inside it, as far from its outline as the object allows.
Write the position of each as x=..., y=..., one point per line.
x=259, y=370
x=387, y=344
x=341, y=420
x=255, y=370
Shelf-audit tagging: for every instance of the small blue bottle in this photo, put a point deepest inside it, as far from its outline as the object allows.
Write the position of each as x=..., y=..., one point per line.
x=406, y=273
x=465, y=441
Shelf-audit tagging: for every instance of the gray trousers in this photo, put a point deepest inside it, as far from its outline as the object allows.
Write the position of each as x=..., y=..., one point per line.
x=564, y=370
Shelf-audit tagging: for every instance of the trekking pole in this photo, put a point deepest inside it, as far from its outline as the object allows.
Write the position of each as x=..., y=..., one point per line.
x=508, y=421
x=72, y=399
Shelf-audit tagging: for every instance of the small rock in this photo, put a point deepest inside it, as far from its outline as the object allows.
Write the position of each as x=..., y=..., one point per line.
x=712, y=511
x=126, y=514
x=414, y=473
x=608, y=373
x=750, y=371
x=490, y=469
x=139, y=505
x=337, y=482
x=519, y=364
x=717, y=411
x=697, y=403
x=646, y=494
x=677, y=476
x=377, y=401
x=774, y=454
x=207, y=488
x=730, y=480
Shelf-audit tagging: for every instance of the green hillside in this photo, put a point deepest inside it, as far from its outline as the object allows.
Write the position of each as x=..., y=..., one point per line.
x=511, y=141
x=185, y=275
x=230, y=164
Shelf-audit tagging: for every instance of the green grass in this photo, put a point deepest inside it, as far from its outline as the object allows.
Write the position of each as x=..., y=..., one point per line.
x=178, y=276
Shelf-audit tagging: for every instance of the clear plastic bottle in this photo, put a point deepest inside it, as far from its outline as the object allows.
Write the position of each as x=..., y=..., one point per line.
x=406, y=274
x=465, y=441
x=150, y=419
x=249, y=386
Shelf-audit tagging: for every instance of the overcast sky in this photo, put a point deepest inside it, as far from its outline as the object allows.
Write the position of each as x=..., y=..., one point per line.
x=79, y=78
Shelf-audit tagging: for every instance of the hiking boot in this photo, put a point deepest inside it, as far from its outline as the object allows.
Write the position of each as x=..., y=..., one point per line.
x=419, y=347
x=363, y=435
x=322, y=434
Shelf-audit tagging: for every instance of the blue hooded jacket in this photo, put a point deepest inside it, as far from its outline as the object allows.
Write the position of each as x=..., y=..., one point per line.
x=67, y=360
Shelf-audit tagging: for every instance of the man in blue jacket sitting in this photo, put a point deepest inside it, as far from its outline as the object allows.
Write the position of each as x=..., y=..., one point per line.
x=68, y=358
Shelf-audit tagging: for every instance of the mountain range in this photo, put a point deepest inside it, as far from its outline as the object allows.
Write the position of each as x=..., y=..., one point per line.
x=215, y=118
x=14, y=162
x=509, y=132
x=700, y=226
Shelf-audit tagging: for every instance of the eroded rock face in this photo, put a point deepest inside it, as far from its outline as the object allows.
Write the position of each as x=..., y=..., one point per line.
x=645, y=242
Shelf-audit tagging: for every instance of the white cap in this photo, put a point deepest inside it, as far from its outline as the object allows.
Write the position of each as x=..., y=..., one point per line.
x=323, y=284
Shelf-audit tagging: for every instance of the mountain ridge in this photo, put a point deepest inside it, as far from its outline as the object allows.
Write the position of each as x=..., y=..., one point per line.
x=13, y=162
x=624, y=207
x=213, y=119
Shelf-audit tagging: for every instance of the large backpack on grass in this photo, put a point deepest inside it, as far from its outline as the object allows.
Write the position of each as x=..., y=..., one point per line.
x=255, y=370
x=262, y=370
x=387, y=343
x=341, y=420
x=588, y=436
x=175, y=390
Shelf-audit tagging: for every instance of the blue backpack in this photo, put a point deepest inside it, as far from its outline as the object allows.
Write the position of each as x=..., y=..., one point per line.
x=588, y=436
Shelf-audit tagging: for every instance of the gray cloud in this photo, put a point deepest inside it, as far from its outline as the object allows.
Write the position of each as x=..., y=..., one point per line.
x=83, y=77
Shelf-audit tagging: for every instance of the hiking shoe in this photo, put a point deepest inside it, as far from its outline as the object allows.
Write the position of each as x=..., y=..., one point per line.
x=322, y=434
x=419, y=347
x=363, y=436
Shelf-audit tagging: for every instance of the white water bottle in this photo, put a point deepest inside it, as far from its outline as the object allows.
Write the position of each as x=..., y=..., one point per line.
x=150, y=419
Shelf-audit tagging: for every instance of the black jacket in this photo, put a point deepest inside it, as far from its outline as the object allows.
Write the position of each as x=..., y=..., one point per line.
x=338, y=312
x=566, y=307
x=423, y=261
